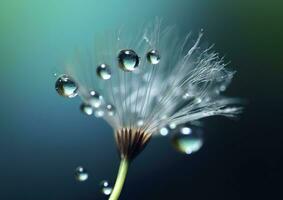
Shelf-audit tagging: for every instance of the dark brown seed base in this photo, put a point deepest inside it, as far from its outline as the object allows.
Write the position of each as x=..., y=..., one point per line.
x=131, y=142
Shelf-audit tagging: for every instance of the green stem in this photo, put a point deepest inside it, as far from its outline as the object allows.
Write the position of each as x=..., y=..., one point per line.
x=122, y=173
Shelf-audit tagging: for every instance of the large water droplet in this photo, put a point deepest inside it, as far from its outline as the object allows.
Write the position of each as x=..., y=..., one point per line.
x=105, y=188
x=128, y=60
x=188, y=140
x=86, y=109
x=103, y=71
x=94, y=99
x=81, y=174
x=153, y=57
x=66, y=87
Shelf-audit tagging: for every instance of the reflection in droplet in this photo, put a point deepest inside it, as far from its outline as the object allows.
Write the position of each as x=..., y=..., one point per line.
x=188, y=140
x=153, y=57
x=66, y=87
x=103, y=71
x=105, y=188
x=128, y=60
x=81, y=174
x=86, y=109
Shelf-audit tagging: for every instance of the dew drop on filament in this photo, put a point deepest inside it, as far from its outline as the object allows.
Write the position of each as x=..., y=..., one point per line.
x=94, y=99
x=110, y=110
x=81, y=174
x=106, y=189
x=66, y=87
x=86, y=109
x=153, y=57
x=103, y=71
x=128, y=60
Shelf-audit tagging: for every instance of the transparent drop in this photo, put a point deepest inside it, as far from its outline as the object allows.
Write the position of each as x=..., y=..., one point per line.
x=105, y=188
x=128, y=60
x=140, y=123
x=66, y=87
x=110, y=110
x=81, y=174
x=164, y=131
x=153, y=57
x=172, y=125
x=103, y=71
x=99, y=113
x=188, y=140
x=186, y=96
x=94, y=99
x=86, y=109
x=222, y=88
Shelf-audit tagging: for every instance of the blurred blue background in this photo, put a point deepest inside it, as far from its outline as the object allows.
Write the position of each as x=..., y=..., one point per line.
x=44, y=137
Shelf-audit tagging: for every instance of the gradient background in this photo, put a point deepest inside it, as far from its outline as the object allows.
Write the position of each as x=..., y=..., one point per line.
x=44, y=137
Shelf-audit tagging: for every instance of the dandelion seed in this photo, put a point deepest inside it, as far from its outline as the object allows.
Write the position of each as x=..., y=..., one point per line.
x=184, y=87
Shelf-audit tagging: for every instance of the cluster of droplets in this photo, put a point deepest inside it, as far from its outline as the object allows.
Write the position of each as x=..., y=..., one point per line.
x=81, y=175
x=93, y=104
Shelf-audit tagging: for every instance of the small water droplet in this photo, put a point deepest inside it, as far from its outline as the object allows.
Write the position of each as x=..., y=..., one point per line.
x=222, y=88
x=128, y=60
x=110, y=110
x=140, y=122
x=103, y=71
x=198, y=100
x=66, y=87
x=99, y=113
x=188, y=140
x=105, y=188
x=172, y=125
x=81, y=174
x=186, y=96
x=186, y=130
x=153, y=57
x=94, y=99
x=86, y=109
x=164, y=131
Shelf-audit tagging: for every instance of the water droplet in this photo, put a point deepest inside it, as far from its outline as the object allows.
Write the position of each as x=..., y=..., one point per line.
x=105, y=188
x=163, y=131
x=128, y=60
x=172, y=125
x=94, y=99
x=99, y=113
x=186, y=130
x=222, y=88
x=198, y=100
x=86, y=109
x=81, y=174
x=188, y=140
x=66, y=87
x=110, y=110
x=140, y=122
x=153, y=57
x=103, y=71
x=186, y=96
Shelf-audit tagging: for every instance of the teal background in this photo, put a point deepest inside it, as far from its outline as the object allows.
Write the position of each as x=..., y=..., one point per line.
x=44, y=137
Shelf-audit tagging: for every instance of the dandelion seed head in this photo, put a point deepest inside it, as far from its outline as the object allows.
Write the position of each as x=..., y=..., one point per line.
x=153, y=79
